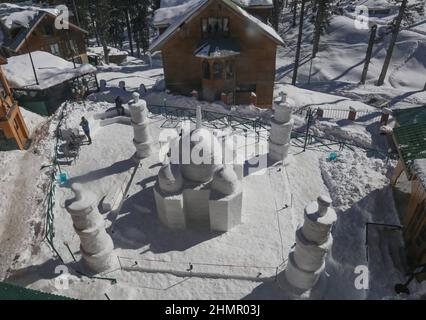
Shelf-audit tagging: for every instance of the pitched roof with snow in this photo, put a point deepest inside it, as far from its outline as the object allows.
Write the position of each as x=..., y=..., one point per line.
x=23, y=16
x=51, y=71
x=173, y=9
x=192, y=7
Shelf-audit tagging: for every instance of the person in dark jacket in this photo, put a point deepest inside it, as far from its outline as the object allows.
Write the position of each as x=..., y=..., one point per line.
x=85, y=125
x=119, y=106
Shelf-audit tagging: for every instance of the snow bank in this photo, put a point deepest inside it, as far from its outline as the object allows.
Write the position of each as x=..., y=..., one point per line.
x=51, y=71
x=99, y=51
x=352, y=177
x=32, y=120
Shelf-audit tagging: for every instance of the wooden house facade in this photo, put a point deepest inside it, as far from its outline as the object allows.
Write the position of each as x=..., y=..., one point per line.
x=41, y=35
x=409, y=137
x=12, y=124
x=220, y=50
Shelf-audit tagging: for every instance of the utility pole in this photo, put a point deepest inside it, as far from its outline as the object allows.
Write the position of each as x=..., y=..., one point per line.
x=299, y=44
x=32, y=62
x=369, y=53
x=395, y=32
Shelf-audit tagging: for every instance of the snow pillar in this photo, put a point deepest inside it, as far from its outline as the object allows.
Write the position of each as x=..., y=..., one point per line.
x=386, y=112
x=194, y=94
x=253, y=99
x=352, y=114
x=96, y=245
x=199, y=118
x=142, y=138
x=281, y=127
x=224, y=98
x=313, y=241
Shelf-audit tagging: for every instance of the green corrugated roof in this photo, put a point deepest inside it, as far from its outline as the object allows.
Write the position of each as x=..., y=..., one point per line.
x=411, y=142
x=410, y=115
x=12, y=292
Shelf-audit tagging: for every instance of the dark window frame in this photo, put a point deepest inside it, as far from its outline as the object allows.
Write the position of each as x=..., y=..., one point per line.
x=206, y=70
x=217, y=70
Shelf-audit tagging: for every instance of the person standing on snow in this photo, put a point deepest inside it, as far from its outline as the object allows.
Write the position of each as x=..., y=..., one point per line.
x=119, y=106
x=85, y=125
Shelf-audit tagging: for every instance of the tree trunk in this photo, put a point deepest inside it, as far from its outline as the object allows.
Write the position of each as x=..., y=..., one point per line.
x=129, y=31
x=369, y=53
x=106, y=51
x=294, y=13
x=318, y=22
x=395, y=33
x=299, y=43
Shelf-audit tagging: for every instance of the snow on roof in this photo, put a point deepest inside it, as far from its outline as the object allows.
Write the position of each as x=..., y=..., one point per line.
x=195, y=6
x=375, y=4
x=254, y=3
x=99, y=51
x=419, y=167
x=15, y=15
x=173, y=9
x=51, y=71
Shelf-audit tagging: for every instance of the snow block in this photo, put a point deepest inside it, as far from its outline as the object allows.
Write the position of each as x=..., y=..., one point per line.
x=170, y=209
x=196, y=204
x=225, y=211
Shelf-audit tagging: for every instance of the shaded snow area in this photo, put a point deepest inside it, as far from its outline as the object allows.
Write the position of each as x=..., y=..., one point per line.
x=23, y=187
x=153, y=262
x=338, y=66
x=50, y=69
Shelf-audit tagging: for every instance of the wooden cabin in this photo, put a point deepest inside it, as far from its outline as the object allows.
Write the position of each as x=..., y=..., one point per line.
x=219, y=50
x=410, y=141
x=41, y=35
x=48, y=81
x=12, y=124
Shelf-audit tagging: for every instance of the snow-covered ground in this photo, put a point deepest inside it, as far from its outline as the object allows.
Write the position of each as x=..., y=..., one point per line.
x=152, y=261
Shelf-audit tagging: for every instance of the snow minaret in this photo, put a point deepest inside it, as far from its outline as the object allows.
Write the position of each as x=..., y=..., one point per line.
x=281, y=126
x=313, y=241
x=142, y=138
x=199, y=116
x=95, y=244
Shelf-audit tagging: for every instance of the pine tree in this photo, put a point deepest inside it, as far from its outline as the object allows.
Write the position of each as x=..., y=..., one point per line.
x=276, y=13
x=395, y=31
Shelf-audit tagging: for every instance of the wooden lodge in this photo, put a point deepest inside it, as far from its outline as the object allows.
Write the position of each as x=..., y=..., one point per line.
x=219, y=50
x=410, y=140
x=40, y=34
x=12, y=125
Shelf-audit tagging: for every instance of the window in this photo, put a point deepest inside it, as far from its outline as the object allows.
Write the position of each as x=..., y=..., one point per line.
x=73, y=46
x=217, y=67
x=206, y=70
x=54, y=48
x=214, y=27
x=229, y=70
x=226, y=26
